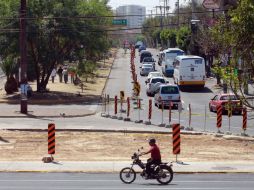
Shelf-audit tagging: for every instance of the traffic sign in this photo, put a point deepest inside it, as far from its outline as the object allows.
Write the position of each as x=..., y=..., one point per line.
x=211, y=4
x=119, y=22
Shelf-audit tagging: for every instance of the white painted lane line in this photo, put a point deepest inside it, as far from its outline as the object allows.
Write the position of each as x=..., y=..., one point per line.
x=125, y=188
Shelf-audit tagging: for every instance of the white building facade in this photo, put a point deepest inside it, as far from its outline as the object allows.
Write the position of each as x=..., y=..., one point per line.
x=132, y=21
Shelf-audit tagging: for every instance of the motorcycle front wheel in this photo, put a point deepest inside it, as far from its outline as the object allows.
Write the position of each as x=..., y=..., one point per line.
x=165, y=175
x=127, y=175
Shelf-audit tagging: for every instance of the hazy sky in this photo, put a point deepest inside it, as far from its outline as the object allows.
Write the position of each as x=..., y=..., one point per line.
x=149, y=4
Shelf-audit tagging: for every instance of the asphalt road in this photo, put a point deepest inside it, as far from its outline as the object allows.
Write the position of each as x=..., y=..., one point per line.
x=202, y=119
x=76, y=181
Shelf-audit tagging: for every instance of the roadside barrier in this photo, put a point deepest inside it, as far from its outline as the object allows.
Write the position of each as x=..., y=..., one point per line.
x=244, y=127
x=51, y=138
x=149, y=113
x=162, y=113
x=150, y=110
x=169, y=114
x=219, y=117
x=176, y=139
x=139, y=108
x=115, y=106
x=189, y=115
x=108, y=101
x=128, y=110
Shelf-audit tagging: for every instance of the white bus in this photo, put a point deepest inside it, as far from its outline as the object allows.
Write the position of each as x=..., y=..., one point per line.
x=168, y=57
x=189, y=70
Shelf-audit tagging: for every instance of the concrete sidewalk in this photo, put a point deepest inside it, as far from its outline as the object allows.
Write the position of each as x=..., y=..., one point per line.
x=115, y=167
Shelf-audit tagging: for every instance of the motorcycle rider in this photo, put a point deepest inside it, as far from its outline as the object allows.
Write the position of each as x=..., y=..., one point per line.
x=155, y=156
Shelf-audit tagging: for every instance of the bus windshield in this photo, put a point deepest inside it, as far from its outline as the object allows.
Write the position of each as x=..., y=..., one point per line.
x=172, y=54
x=193, y=61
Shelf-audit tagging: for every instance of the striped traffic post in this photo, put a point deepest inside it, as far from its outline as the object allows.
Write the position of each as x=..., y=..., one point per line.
x=176, y=139
x=51, y=138
x=219, y=117
x=108, y=101
x=162, y=112
x=128, y=110
x=189, y=115
x=170, y=112
x=150, y=110
x=244, y=121
x=115, y=106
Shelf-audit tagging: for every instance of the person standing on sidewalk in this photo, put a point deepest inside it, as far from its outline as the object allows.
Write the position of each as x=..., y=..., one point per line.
x=60, y=74
x=65, y=75
x=53, y=75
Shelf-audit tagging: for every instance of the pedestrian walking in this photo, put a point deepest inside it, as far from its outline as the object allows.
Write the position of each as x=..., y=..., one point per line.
x=65, y=75
x=53, y=75
x=60, y=74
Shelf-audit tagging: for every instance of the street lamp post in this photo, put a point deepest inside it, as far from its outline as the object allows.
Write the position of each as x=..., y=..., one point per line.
x=23, y=58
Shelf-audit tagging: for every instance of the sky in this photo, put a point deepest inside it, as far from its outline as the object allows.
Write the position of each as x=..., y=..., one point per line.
x=149, y=4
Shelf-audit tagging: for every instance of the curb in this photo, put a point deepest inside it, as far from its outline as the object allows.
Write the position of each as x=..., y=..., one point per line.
x=52, y=116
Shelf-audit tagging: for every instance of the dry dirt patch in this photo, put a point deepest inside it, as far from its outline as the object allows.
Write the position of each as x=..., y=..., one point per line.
x=60, y=92
x=98, y=146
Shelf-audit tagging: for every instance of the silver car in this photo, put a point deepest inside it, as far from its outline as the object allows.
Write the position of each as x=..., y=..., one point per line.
x=146, y=69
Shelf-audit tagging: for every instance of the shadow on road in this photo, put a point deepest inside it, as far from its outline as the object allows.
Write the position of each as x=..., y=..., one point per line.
x=196, y=90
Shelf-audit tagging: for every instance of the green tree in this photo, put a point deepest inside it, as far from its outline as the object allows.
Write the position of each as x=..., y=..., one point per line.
x=234, y=33
x=58, y=30
x=183, y=38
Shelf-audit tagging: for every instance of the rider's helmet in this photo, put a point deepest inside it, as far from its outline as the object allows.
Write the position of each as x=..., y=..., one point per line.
x=152, y=140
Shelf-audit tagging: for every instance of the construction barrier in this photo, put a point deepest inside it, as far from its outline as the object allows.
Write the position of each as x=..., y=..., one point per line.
x=244, y=119
x=170, y=112
x=115, y=105
x=176, y=138
x=51, y=138
x=189, y=115
x=128, y=107
x=219, y=117
x=150, y=110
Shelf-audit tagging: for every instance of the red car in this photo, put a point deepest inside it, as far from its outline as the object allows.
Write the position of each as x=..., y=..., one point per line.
x=224, y=99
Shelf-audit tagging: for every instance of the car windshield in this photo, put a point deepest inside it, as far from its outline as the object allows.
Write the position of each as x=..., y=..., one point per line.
x=155, y=74
x=228, y=97
x=158, y=80
x=148, y=59
x=147, y=66
x=169, y=90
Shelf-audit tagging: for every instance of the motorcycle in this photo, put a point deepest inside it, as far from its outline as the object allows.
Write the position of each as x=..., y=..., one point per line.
x=163, y=172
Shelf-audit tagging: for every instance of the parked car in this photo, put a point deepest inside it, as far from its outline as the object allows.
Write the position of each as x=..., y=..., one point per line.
x=153, y=74
x=154, y=84
x=167, y=93
x=224, y=100
x=143, y=54
x=146, y=69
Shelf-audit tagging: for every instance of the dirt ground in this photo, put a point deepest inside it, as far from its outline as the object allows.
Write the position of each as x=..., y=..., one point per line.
x=60, y=92
x=98, y=146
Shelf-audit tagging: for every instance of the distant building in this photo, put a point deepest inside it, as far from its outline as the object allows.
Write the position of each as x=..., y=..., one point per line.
x=132, y=21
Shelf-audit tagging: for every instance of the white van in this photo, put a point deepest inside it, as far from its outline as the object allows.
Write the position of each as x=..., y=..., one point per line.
x=168, y=57
x=189, y=70
x=167, y=93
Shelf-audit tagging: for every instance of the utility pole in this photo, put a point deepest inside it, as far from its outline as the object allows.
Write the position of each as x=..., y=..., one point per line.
x=23, y=58
x=177, y=4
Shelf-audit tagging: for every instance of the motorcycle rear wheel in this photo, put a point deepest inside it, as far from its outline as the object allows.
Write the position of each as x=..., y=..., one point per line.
x=165, y=175
x=127, y=175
